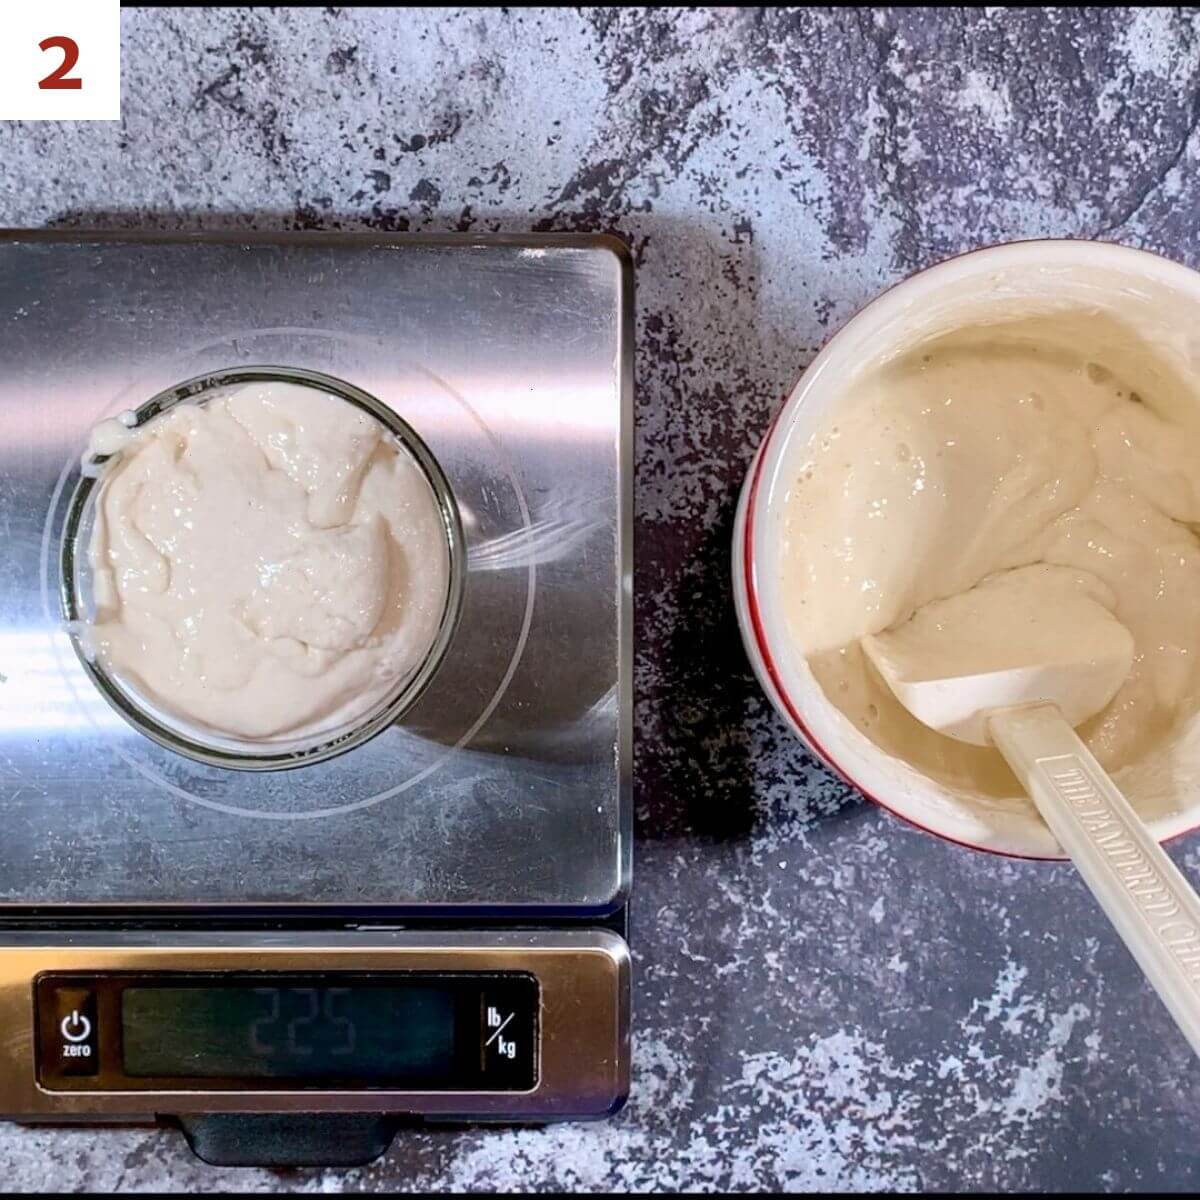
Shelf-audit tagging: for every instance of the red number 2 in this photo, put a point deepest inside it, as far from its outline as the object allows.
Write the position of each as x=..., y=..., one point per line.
x=57, y=79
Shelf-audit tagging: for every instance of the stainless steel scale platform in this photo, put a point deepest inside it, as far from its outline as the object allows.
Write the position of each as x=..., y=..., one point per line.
x=333, y=947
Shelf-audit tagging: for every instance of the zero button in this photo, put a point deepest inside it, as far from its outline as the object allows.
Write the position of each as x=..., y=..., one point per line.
x=73, y=1047
x=76, y=1028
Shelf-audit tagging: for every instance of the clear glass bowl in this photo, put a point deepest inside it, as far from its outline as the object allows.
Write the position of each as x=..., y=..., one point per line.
x=199, y=742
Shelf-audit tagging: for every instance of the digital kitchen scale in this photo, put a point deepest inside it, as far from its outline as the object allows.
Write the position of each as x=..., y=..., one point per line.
x=431, y=925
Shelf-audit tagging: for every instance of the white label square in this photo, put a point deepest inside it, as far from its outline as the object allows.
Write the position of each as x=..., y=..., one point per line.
x=60, y=60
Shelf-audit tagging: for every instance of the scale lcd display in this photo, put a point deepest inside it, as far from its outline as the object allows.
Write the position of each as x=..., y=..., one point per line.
x=368, y=1033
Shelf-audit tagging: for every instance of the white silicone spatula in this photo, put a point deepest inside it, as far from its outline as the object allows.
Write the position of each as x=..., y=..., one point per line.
x=1028, y=711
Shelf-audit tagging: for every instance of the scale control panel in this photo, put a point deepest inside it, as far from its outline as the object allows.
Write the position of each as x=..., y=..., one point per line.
x=407, y=1025
x=249, y=1031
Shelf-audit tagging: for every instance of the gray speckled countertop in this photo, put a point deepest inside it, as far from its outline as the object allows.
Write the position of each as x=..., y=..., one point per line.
x=824, y=997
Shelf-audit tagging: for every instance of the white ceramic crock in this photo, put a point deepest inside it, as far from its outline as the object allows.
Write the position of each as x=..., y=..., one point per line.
x=1159, y=297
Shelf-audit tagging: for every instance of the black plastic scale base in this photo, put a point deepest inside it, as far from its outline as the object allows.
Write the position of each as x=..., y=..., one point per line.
x=289, y=1139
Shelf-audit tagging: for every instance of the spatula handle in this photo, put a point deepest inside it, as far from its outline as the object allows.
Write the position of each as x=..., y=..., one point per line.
x=1150, y=903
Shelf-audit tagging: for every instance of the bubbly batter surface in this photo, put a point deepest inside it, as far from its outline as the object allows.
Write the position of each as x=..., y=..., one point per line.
x=267, y=565
x=1017, y=461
